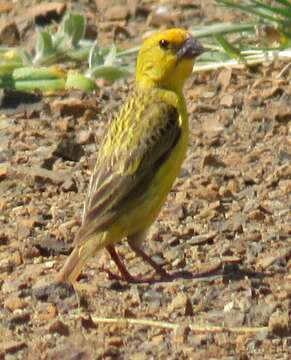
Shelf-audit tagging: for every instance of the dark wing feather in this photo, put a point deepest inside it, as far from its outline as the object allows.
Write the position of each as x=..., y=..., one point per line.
x=126, y=170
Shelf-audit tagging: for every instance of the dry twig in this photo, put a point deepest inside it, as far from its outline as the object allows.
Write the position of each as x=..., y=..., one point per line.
x=201, y=328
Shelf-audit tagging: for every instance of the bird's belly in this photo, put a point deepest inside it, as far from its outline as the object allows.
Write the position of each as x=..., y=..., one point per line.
x=142, y=214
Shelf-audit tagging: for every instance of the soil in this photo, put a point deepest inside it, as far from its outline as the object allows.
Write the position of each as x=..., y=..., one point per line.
x=226, y=221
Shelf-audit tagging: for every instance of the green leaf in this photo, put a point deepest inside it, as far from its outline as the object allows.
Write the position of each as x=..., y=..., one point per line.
x=44, y=46
x=33, y=73
x=47, y=86
x=60, y=41
x=78, y=55
x=6, y=82
x=250, y=9
x=284, y=2
x=110, y=73
x=130, y=51
x=8, y=68
x=221, y=28
x=75, y=80
x=11, y=55
x=231, y=51
x=214, y=56
x=272, y=9
x=74, y=27
x=96, y=57
x=111, y=56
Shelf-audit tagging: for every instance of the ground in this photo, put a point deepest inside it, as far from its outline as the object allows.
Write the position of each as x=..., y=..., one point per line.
x=226, y=221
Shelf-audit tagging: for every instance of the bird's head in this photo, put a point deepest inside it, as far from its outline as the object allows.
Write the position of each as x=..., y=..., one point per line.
x=166, y=59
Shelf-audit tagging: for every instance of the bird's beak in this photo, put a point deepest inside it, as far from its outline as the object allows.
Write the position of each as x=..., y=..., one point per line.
x=191, y=48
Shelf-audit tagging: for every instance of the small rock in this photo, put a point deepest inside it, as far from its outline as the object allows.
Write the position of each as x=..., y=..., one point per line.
x=49, y=246
x=5, y=8
x=5, y=123
x=162, y=15
x=234, y=318
x=45, y=157
x=13, y=302
x=5, y=265
x=41, y=13
x=63, y=124
x=29, y=223
x=183, y=303
x=53, y=292
x=285, y=185
x=85, y=137
x=5, y=154
x=9, y=34
x=254, y=237
x=281, y=114
x=266, y=261
x=256, y=215
x=3, y=237
x=58, y=327
x=213, y=161
x=25, y=227
x=280, y=324
x=23, y=232
x=212, y=124
x=49, y=312
x=88, y=323
x=224, y=78
x=18, y=319
x=116, y=12
x=171, y=254
x=171, y=240
x=114, y=341
x=43, y=175
x=11, y=347
x=227, y=100
x=69, y=107
x=259, y=314
x=202, y=239
x=69, y=351
x=181, y=334
x=209, y=193
x=69, y=150
x=138, y=356
x=13, y=101
x=233, y=186
x=3, y=171
x=69, y=185
x=157, y=340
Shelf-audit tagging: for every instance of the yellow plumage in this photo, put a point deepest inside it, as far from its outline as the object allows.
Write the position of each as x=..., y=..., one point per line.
x=140, y=155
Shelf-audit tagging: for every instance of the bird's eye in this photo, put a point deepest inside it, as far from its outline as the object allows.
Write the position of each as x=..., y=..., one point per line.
x=164, y=44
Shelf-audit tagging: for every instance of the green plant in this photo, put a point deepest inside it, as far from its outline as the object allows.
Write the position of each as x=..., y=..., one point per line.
x=52, y=48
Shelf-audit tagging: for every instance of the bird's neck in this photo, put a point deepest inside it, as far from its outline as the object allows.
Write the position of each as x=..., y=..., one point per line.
x=147, y=84
x=174, y=98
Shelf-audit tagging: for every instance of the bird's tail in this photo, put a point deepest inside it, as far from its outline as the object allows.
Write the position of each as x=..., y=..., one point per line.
x=72, y=268
x=77, y=259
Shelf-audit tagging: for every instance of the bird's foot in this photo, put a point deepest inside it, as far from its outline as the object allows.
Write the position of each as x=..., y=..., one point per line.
x=138, y=279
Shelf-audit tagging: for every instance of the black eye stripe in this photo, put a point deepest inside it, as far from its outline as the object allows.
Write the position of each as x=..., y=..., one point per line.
x=164, y=44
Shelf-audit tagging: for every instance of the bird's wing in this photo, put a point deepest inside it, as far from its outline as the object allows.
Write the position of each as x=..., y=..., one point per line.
x=137, y=144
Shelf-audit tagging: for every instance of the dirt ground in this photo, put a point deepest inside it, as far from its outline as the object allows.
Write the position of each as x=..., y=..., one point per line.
x=226, y=221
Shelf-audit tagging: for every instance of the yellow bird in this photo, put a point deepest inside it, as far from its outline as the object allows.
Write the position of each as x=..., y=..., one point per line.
x=139, y=157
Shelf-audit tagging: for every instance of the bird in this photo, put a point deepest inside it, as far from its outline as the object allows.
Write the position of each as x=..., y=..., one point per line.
x=139, y=157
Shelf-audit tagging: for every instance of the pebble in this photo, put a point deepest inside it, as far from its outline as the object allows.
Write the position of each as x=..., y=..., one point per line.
x=58, y=327
x=11, y=347
x=280, y=324
x=13, y=302
x=181, y=303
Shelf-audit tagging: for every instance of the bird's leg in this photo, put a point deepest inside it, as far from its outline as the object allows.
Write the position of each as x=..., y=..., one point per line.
x=134, y=242
x=125, y=275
